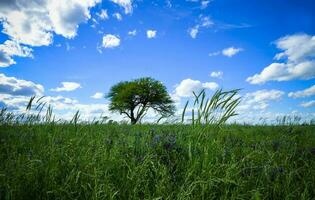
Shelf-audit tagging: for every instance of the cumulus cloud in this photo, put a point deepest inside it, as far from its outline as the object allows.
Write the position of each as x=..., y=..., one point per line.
x=259, y=100
x=98, y=95
x=308, y=104
x=110, y=41
x=34, y=22
x=303, y=93
x=126, y=4
x=67, y=87
x=18, y=87
x=231, y=51
x=188, y=86
x=298, y=53
x=12, y=48
x=13, y=102
x=216, y=74
x=15, y=95
x=151, y=34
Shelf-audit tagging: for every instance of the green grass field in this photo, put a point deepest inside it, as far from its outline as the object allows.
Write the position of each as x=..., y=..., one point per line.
x=51, y=161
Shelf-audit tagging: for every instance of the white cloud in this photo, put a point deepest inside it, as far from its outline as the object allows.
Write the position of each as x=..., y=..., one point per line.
x=151, y=34
x=308, y=104
x=110, y=41
x=18, y=87
x=126, y=4
x=14, y=102
x=264, y=117
x=15, y=95
x=231, y=51
x=298, y=60
x=204, y=4
x=259, y=100
x=103, y=14
x=34, y=22
x=216, y=74
x=203, y=22
x=132, y=33
x=194, y=31
x=98, y=95
x=264, y=95
x=210, y=85
x=303, y=93
x=67, y=87
x=215, y=53
x=117, y=16
x=63, y=107
x=206, y=22
x=188, y=86
x=11, y=48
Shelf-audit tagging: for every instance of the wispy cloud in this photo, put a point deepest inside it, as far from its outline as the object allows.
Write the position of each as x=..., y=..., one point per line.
x=308, y=104
x=132, y=33
x=117, y=16
x=229, y=52
x=103, y=14
x=303, y=93
x=203, y=22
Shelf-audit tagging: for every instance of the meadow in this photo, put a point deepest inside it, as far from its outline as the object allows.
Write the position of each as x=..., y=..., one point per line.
x=178, y=161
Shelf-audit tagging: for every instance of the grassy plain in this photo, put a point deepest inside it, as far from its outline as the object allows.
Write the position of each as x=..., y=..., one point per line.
x=111, y=161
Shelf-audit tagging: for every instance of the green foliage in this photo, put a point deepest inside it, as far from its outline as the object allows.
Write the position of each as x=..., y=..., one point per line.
x=134, y=98
x=214, y=111
x=75, y=161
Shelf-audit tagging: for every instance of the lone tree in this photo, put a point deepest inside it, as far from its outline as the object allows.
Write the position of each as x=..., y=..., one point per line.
x=134, y=98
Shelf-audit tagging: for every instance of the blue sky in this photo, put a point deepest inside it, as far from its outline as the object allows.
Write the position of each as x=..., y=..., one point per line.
x=91, y=45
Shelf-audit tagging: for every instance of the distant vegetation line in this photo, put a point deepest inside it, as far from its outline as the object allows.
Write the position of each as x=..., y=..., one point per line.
x=215, y=110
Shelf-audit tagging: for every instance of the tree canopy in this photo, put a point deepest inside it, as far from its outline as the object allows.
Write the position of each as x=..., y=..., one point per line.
x=134, y=98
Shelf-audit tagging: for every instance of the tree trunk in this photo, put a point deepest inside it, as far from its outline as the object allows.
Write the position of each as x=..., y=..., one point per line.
x=133, y=120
